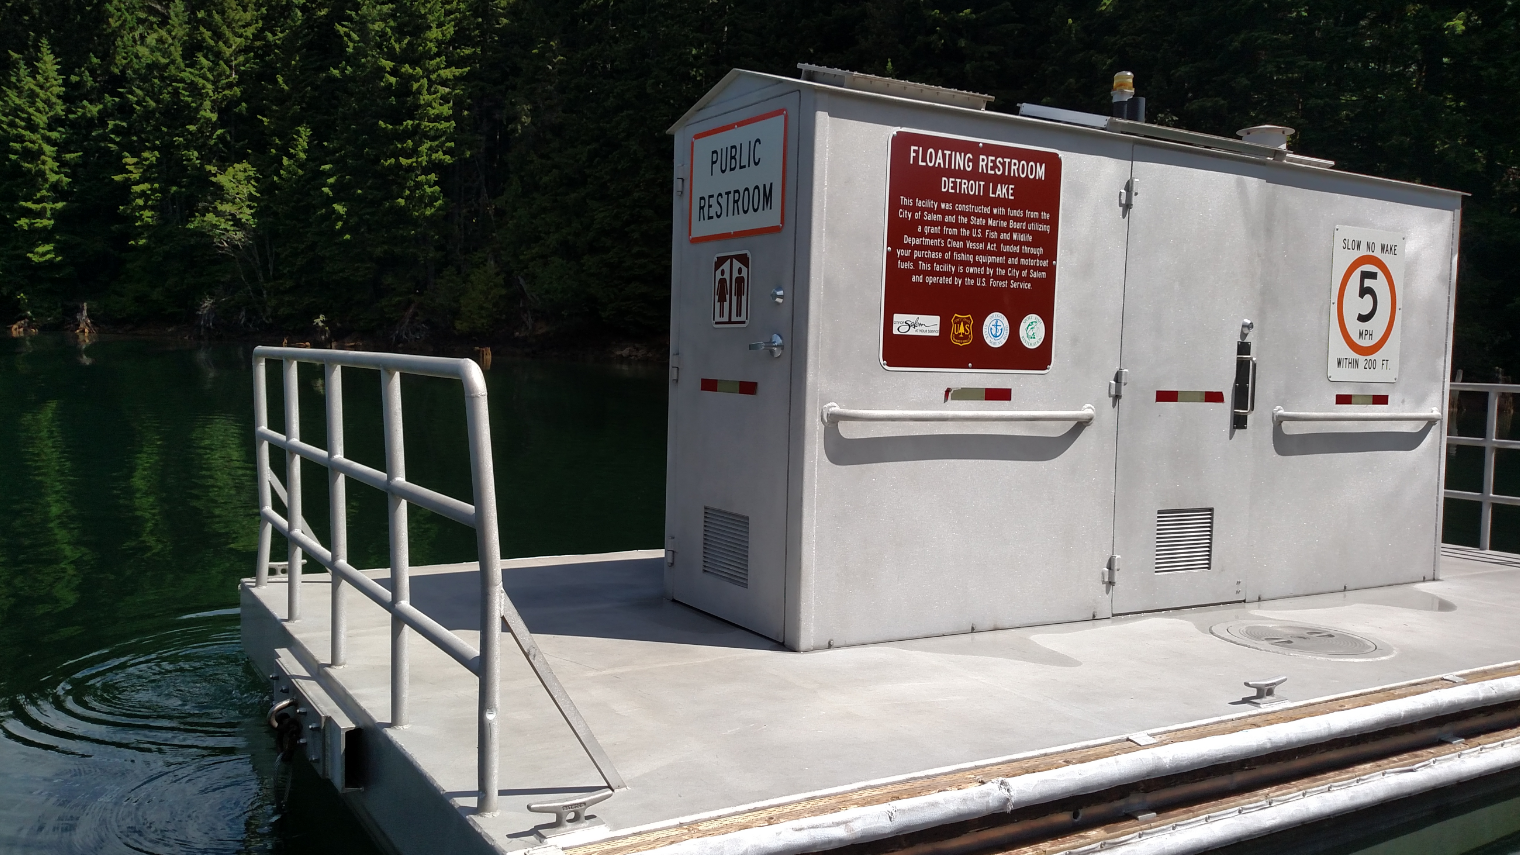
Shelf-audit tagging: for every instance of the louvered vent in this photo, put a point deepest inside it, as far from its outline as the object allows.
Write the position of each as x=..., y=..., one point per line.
x=1184, y=539
x=725, y=545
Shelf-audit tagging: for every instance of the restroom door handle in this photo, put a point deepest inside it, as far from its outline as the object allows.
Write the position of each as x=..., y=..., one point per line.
x=775, y=345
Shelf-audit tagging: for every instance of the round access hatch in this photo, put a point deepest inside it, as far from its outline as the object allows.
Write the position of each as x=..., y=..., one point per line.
x=1298, y=639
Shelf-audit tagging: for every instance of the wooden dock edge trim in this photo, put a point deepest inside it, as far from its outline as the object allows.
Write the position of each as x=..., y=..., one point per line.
x=807, y=807
x=1162, y=820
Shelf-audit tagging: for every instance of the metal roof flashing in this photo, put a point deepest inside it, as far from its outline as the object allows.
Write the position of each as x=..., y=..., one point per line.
x=866, y=86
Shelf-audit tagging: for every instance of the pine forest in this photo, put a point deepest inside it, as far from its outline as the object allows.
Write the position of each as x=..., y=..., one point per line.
x=477, y=171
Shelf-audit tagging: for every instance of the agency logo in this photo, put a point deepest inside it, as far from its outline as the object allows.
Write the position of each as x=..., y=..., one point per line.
x=915, y=324
x=962, y=329
x=995, y=329
x=1032, y=331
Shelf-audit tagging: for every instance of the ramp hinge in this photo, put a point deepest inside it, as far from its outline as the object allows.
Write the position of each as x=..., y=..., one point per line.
x=1116, y=385
x=1111, y=571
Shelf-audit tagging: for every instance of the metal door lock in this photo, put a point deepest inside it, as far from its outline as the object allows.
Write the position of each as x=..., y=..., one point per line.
x=775, y=345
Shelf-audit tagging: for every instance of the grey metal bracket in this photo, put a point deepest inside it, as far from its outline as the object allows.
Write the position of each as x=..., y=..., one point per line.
x=569, y=814
x=1116, y=385
x=1266, y=692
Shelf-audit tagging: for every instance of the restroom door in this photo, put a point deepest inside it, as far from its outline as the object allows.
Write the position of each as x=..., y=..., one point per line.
x=730, y=404
x=1183, y=471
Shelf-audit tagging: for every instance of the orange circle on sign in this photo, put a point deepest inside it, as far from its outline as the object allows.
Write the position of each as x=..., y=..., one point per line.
x=1393, y=305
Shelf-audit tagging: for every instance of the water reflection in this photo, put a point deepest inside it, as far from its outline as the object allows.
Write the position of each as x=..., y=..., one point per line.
x=127, y=501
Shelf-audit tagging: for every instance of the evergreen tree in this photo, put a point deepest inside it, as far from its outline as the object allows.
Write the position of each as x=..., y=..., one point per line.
x=35, y=176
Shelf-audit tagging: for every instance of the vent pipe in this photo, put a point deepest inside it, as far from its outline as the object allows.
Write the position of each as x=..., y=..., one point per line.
x=1271, y=136
x=1126, y=104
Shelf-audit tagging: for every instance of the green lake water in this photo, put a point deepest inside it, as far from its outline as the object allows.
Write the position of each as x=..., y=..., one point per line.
x=130, y=721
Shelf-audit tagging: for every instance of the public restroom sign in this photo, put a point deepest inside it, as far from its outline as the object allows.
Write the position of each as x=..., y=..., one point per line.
x=1366, y=310
x=970, y=281
x=738, y=179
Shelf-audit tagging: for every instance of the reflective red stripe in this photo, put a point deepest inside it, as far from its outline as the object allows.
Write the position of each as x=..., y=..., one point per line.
x=709, y=385
x=1166, y=396
x=1213, y=397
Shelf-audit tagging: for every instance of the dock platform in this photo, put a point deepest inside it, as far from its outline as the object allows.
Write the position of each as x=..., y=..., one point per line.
x=716, y=728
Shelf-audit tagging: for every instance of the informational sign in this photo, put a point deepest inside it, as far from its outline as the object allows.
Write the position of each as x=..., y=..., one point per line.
x=738, y=179
x=1367, y=275
x=731, y=290
x=971, y=255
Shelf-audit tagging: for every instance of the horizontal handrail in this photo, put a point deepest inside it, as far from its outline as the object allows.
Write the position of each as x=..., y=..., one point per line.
x=833, y=413
x=1496, y=498
x=428, y=366
x=1503, y=388
x=1453, y=439
x=430, y=629
x=1280, y=415
x=438, y=503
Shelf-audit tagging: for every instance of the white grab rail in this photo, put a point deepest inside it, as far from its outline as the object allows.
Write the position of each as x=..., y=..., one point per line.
x=1280, y=415
x=832, y=413
x=496, y=608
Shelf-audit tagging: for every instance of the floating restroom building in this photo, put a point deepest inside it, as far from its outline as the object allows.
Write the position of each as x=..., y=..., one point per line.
x=937, y=369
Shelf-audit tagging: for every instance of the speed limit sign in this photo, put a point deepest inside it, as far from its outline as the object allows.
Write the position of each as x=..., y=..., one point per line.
x=1366, y=308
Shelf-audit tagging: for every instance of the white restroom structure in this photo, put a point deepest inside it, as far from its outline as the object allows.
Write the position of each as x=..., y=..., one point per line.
x=937, y=369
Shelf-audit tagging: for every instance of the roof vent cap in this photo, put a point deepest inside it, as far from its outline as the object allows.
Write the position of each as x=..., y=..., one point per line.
x=1271, y=136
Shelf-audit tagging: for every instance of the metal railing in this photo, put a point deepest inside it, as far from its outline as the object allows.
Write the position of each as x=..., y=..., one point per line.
x=496, y=609
x=1491, y=444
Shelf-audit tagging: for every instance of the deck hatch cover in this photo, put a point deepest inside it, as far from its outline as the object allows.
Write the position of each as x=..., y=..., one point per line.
x=725, y=545
x=1184, y=539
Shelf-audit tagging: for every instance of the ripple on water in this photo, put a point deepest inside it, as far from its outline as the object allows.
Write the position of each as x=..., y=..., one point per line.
x=177, y=691
x=145, y=748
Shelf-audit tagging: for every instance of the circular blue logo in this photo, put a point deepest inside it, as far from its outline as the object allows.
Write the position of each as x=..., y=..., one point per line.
x=995, y=330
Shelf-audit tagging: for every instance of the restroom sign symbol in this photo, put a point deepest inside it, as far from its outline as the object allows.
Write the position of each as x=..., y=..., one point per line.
x=731, y=287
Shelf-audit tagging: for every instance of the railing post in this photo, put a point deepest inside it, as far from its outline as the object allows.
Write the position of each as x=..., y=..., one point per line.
x=337, y=509
x=488, y=550
x=1490, y=434
x=395, y=470
x=293, y=489
x=261, y=466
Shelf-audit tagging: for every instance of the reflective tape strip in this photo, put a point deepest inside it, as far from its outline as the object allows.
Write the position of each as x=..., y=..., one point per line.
x=735, y=387
x=1361, y=399
x=1172, y=396
x=977, y=393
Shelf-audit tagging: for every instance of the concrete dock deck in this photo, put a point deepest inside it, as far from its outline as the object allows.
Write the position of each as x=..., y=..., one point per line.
x=701, y=716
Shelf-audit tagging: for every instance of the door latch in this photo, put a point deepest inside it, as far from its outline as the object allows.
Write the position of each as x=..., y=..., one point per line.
x=1116, y=385
x=1244, y=399
x=775, y=345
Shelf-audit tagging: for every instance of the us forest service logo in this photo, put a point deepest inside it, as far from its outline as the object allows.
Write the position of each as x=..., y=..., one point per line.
x=962, y=329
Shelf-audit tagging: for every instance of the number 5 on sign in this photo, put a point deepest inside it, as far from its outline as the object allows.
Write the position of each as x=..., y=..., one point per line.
x=1366, y=312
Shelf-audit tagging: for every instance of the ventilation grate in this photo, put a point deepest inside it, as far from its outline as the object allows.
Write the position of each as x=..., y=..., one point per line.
x=1184, y=540
x=725, y=545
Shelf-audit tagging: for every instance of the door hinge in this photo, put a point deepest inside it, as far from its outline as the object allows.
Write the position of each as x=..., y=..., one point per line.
x=1116, y=385
x=1111, y=571
x=670, y=552
x=675, y=368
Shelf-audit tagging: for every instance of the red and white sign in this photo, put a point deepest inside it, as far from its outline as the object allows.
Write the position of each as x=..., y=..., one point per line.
x=738, y=179
x=1367, y=275
x=972, y=229
x=731, y=290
